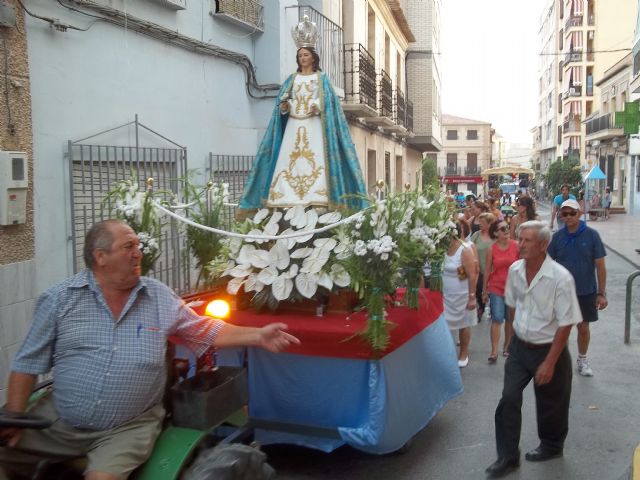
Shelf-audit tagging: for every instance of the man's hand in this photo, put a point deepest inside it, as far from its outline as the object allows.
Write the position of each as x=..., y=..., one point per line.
x=601, y=302
x=544, y=374
x=314, y=109
x=10, y=436
x=273, y=338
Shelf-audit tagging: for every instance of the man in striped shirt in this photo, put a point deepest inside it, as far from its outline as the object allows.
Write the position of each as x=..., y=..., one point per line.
x=103, y=334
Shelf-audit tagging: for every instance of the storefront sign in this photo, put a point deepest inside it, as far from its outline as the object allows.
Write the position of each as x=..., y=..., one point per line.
x=457, y=179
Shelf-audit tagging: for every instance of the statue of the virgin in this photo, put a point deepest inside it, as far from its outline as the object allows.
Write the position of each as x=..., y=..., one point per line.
x=307, y=156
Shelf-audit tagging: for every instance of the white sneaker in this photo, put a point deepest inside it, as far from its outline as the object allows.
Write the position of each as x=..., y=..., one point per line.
x=583, y=367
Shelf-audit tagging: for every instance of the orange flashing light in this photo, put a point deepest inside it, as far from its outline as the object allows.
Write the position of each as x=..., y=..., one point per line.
x=218, y=309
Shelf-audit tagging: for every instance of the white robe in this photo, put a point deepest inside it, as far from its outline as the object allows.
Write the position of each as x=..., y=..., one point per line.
x=300, y=176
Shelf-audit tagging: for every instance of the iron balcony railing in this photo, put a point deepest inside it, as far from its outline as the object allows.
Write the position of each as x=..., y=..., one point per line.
x=399, y=108
x=359, y=76
x=450, y=170
x=472, y=170
x=385, y=95
x=329, y=45
x=572, y=57
x=250, y=12
x=409, y=115
x=574, y=91
x=573, y=21
x=601, y=122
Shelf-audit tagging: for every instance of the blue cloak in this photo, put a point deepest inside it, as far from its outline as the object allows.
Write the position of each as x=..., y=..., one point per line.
x=344, y=176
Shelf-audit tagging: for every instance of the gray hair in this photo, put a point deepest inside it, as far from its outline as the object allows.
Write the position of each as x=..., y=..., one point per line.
x=99, y=237
x=544, y=232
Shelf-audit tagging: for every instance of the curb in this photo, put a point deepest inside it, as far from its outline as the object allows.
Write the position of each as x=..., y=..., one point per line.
x=624, y=257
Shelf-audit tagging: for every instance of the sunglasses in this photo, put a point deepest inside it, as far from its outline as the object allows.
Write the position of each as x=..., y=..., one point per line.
x=504, y=228
x=572, y=213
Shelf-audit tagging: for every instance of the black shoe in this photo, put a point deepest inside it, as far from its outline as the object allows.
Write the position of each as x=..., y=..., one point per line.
x=542, y=454
x=502, y=467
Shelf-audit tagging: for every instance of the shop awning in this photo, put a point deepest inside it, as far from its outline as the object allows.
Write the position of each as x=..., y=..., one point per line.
x=507, y=171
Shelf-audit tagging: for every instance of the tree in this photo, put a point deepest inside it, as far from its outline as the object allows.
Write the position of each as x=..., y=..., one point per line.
x=430, y=173
x=564, y=171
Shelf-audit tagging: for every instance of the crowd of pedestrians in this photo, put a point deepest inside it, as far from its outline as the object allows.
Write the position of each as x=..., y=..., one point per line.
x=535, y=286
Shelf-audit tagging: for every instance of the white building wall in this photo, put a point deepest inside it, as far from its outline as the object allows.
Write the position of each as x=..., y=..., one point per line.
x=85, y=82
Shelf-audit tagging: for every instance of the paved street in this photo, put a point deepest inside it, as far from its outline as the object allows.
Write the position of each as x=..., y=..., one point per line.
x=459, y=441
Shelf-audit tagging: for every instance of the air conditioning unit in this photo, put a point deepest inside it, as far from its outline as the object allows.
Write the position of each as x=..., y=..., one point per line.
x=572, y=91
x=591, y=34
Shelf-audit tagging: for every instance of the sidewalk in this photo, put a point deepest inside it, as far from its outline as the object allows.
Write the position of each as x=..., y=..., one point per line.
x=621, y=233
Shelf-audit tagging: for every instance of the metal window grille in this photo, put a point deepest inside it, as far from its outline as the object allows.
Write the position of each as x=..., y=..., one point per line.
x=93, y=171
x=231, y=169
x=385, y=94
x=360, y=75
x=400, y=108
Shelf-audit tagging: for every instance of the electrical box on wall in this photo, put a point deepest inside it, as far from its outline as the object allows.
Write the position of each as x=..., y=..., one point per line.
x=14, y=181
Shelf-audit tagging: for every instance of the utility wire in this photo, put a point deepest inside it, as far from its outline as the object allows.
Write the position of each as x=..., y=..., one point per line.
x=587, y=51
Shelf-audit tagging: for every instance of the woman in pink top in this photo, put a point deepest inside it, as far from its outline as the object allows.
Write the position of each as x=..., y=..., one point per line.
x=500, y=256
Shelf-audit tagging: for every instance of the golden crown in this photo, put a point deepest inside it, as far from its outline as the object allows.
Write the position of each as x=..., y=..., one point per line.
x=305, y=34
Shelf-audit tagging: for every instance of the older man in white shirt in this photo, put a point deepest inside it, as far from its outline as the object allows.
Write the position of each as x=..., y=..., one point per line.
x=542, y=304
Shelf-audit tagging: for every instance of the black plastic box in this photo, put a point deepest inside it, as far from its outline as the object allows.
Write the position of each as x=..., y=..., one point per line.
x=205, y=400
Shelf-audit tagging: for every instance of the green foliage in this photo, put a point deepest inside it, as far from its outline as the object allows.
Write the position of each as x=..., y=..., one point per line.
x=206, y=208
x=563, y=171
x=429, y=174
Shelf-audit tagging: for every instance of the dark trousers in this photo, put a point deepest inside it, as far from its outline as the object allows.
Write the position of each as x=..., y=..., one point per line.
x=552, y=399
x=479, y=302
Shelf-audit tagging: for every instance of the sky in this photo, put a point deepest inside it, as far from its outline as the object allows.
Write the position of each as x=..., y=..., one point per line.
x=489, y=57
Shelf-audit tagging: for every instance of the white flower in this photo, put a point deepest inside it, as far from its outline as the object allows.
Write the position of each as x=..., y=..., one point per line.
x=253, y=284
x=314, y=262
x=278, y=256
x=296, y=216
x=281, y=288
x=360, y=248
x=244, y=256
x=260, y=215
x=234, y=285
x=339, y=275
x=241, y=271
x=324, y=280
x=268, y=275
x=325, y=243
x=329, y=218
x=301, y=252
x=307, y=284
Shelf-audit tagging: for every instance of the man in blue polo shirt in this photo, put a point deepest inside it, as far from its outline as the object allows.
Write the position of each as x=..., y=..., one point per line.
x=579, y=249
x=557, y=202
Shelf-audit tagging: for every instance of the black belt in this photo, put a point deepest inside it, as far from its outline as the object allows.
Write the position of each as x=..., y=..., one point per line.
x=533, y=346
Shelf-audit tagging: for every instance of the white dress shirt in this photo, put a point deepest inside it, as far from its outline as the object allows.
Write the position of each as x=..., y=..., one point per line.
x=548, y=303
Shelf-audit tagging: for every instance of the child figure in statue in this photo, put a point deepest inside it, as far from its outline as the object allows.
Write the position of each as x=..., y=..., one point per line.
x=307, y=156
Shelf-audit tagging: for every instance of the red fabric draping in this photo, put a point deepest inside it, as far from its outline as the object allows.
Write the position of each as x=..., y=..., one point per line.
x=336, y=334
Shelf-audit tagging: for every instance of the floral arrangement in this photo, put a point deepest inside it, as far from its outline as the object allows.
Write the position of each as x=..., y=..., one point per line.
x=126, y=202
x=206, y=206
x=388, y=247
x=293, y=269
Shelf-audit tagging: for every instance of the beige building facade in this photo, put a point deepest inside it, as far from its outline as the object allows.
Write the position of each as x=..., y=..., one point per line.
x=589, y=33
x=606, y=142
x=377, y=37
x=466, y=152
